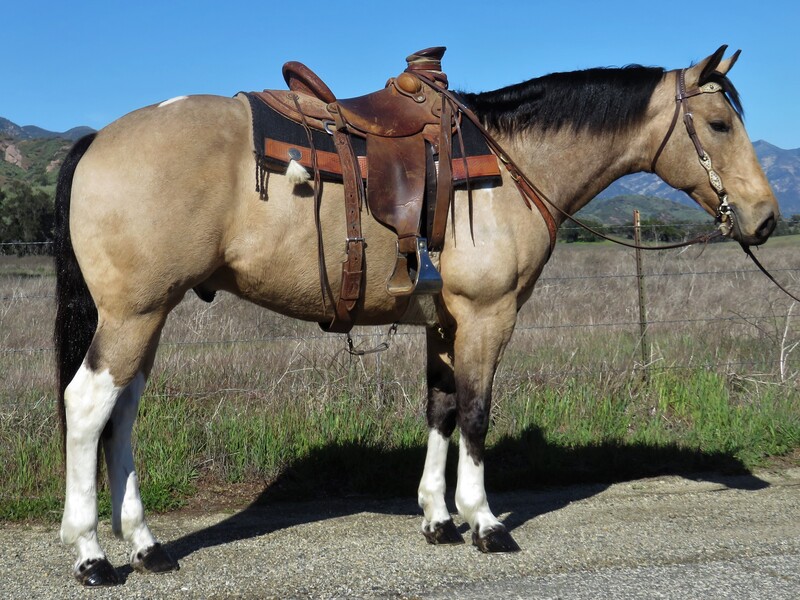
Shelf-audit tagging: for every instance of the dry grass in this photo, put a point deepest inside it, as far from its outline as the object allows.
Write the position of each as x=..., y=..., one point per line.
x=239, y=392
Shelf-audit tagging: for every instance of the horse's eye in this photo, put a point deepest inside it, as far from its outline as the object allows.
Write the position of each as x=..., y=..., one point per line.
x=720, y=126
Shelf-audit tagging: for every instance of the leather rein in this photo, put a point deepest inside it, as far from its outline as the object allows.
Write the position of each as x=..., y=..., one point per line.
x=530, y=193
x=725, y=215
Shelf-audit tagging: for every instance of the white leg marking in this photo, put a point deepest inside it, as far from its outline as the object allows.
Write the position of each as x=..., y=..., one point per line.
x=89, y=400
x=172, y=101
x=127, y=518
x=471, y=495
x=432, y=485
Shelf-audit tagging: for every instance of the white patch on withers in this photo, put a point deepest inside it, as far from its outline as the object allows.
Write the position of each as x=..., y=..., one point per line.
x=172, y=101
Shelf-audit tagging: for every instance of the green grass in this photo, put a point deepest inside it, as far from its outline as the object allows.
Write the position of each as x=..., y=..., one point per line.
x=576, y=431
x=289, y=410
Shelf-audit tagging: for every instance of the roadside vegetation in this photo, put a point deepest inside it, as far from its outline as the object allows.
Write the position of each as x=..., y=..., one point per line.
x=240, y=395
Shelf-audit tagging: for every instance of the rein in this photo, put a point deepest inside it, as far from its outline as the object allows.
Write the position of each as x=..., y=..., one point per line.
x=761, y=267
x=530, y=193
x=724, y=214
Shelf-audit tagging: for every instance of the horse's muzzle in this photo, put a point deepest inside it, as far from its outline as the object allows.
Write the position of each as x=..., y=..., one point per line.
x=754, y=226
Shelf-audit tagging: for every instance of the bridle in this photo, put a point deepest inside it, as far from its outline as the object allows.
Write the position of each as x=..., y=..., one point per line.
x=724, y=214
x=530, y=193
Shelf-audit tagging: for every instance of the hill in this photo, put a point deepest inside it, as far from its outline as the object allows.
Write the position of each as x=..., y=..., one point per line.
x=618, y=210
x=33, y=161
x=782, y=168
x=31, y=132
x=33, y=155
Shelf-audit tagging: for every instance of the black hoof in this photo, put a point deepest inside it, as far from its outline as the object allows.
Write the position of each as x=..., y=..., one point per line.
x=154, y=560
x=496, y=539
x=97, y=572
x=444, y=533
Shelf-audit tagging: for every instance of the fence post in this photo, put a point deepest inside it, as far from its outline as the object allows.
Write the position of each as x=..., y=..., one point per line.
x=643, y=341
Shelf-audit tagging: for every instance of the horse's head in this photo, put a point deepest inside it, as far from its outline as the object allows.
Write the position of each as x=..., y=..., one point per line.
x=706, y=151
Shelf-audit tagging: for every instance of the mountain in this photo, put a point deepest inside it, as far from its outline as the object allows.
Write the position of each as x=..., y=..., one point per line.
x=618, y=210
x=782, y=168
x=31, y=132
x=34, y=154
x=783, y=171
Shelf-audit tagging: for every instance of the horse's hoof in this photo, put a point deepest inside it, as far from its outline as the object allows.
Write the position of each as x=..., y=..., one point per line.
x=97, y=572
x=443, y=533
x=154, y=560
x=497, y=539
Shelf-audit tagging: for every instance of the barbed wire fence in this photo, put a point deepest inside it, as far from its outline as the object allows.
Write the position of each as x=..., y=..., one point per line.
x=788, y=361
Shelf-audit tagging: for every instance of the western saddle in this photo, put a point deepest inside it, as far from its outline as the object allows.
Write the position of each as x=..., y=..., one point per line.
x=407, y=130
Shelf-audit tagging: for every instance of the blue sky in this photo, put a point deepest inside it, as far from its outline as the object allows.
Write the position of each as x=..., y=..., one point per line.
x=88, y=63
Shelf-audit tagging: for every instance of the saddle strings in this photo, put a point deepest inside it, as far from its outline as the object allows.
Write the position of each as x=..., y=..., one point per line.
x=323, y=272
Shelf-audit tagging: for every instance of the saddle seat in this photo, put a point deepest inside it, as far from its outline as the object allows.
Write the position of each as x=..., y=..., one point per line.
x=385, y=113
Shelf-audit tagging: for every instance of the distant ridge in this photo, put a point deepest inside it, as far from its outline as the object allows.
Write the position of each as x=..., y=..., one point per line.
x=618, y=210
x=29, y=152
x=11, y=130
x=782, y=168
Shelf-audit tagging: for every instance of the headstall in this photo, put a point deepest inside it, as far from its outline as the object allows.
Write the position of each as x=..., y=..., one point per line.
x=725, y=213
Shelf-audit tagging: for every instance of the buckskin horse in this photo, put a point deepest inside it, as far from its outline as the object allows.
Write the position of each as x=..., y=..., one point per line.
x=162, y=201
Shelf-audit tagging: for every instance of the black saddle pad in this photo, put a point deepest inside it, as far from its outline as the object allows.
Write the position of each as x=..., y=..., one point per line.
x=268, y=124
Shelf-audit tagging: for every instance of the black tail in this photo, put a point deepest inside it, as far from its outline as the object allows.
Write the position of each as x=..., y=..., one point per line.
x=76, y=314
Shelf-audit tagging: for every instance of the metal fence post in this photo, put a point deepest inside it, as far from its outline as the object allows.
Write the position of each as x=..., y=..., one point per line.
x=643, y=341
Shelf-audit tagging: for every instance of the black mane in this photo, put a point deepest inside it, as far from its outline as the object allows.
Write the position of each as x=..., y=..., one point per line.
x=594, y=99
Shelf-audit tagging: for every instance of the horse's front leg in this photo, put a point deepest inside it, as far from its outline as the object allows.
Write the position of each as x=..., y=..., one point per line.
x=480, y=341
x=437, y=525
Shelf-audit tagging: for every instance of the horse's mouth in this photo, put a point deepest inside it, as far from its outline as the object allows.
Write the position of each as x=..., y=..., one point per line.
x=729, y=225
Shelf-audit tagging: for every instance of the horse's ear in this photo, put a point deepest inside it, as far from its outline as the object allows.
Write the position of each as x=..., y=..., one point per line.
x=699, y=73
x=727, y=65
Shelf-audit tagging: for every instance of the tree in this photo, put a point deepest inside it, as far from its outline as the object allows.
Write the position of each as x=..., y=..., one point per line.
x=26, y=214
x=570, y=232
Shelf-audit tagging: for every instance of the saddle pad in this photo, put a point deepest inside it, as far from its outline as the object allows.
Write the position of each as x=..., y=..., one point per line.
x=277, y=139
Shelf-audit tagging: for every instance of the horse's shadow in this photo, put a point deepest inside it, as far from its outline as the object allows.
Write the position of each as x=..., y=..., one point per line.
x=345, y=476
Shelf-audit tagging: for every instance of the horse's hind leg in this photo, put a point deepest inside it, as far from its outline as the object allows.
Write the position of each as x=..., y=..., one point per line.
x=437, y=525
x=127, y=510
x=115, y=369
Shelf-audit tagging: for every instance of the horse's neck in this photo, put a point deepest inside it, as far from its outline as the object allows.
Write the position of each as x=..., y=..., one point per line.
x=572, y=168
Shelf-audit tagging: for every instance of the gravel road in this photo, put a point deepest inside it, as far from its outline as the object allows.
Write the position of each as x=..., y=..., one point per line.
x=671, y=537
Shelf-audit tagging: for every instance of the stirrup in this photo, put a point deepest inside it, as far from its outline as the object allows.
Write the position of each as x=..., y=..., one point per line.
x=423, y=278
x=428, y=280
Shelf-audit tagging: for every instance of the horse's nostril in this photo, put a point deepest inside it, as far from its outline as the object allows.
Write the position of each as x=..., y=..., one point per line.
x=766, y=228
